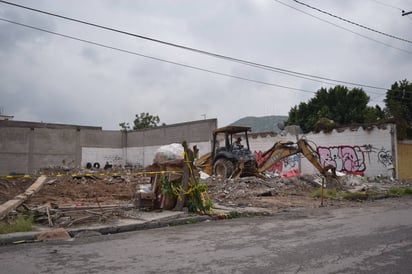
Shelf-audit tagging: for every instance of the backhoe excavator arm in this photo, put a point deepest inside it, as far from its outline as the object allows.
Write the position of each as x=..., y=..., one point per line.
x=310, y=153
x=281, y=150
x=276, y=153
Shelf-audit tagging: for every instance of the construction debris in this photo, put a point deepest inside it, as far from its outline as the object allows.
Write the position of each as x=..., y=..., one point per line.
x=254, y=191
x=90, y=197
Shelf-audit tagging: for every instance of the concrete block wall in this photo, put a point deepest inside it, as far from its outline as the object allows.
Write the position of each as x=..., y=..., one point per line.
x=27, y=146
x=143, y=156
x=365, y=151
x=138, y=148
x=370, y=152
x=14, y=147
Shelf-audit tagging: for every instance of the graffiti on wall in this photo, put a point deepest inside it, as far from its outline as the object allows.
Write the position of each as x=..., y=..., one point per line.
x=260, y=159
x=348, y=159
x=113, y=159
x=290, y=162
x=286, y=167
x=384, y=156
x=351, y=159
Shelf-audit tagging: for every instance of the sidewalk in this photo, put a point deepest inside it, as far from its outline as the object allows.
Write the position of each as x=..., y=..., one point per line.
x=146, y=220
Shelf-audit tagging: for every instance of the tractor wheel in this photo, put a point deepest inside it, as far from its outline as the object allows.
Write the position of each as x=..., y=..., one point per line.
x=223, y=168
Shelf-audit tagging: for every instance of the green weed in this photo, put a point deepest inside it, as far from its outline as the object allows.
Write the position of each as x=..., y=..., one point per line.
x=361, y=195
x=20, y=224
x=327, y=193
x=397, y=192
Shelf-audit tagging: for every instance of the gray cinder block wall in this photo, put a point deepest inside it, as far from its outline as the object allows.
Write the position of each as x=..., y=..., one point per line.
x=28, y=146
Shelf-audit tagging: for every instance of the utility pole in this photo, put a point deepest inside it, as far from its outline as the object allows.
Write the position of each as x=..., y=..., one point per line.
x=406, y=13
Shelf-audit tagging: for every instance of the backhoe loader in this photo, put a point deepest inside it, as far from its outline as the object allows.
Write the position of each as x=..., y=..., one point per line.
x=229, y=160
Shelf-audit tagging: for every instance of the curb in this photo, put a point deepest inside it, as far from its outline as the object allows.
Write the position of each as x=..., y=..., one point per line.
x=141, y=226
x=18, y=237
x=30, y=237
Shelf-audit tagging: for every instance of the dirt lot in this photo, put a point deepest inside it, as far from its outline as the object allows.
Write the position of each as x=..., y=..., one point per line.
x=99, y=198
x=107, y=190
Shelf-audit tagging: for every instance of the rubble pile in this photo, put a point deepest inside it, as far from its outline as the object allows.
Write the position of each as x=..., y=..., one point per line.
x=84, y=190
x=65, y=201
x=71, y=216
x=277, y=193
x=353, y=183
x=80, y=197
x=253, y=191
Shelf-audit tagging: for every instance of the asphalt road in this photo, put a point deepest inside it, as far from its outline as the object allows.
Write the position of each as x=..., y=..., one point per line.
x=367, y=238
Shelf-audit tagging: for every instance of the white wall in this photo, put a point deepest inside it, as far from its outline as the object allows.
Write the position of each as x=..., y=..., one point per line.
x=369, y=152
x=101, y=155
x=135, y=156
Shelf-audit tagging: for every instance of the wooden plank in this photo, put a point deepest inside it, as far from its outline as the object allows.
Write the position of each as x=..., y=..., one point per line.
x=11, y=205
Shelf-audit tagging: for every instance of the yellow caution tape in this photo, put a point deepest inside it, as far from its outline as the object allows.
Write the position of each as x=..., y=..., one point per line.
x=18, y=176
x=26, y=176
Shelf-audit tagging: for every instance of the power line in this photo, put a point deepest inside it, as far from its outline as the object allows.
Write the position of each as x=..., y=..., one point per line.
x=257, y=65
x=179, y=64
x=353, y=23
x=156, y=58
x=393, y=7
x=406, y=13
x=168, y=61
x=215, y=55
x=346, y=29
x=387, y=5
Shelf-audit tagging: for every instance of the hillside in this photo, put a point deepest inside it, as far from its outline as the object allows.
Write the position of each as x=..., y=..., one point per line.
x=261, y=124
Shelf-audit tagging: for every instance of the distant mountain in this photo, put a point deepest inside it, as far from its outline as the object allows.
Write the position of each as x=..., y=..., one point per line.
x=261, y=124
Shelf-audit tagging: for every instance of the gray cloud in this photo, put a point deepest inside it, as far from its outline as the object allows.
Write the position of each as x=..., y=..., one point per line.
x=13, y=36
x=54, y=79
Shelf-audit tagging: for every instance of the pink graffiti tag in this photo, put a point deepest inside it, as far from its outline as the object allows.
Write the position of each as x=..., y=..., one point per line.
x=276, y=167
x=349, y=159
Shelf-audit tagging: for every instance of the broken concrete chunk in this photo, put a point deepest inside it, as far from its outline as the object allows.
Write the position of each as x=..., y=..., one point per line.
x=53, y=235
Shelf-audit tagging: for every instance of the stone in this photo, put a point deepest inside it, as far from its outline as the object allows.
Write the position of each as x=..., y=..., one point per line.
x=54, y=234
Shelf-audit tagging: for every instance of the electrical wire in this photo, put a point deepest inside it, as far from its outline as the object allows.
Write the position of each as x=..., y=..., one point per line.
x=215, y=55
x=353, y=23
x=174, y=63
x=343, y=28
x=156, y=58
x=165, y=60
x=391, y=6
x=388, y=5
x=257, y=65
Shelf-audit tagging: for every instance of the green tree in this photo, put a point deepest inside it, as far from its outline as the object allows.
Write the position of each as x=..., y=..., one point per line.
x=142, y=120
x=374, y=114
x=398, y=104
x=124, y=126
x=337, y=105
x=145, y=120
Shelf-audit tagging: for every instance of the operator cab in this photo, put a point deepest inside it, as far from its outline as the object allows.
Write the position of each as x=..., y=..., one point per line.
x=230, y=146
x=230, y=138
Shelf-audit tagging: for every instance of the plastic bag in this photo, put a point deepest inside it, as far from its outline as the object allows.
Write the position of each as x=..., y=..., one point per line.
x=169, y=154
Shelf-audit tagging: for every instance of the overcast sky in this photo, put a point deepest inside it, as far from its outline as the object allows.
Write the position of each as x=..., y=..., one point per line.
x=49, y=78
